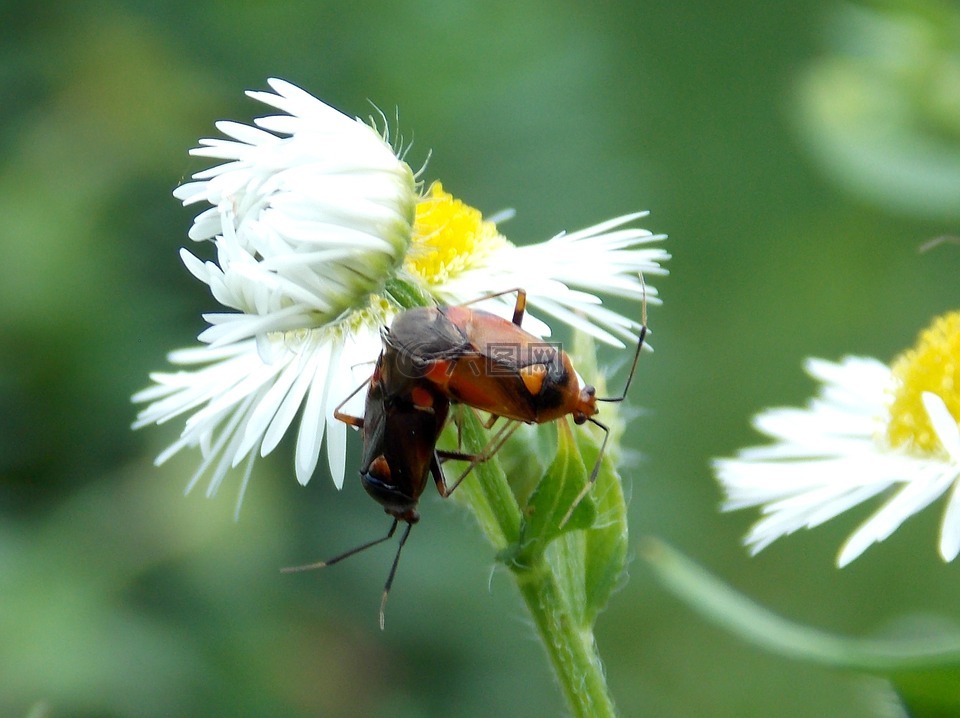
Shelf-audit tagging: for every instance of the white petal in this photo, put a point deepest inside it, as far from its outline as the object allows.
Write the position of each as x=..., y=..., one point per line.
x=943, y=423
x=913, y=497
x=239, y=405
x=313, y=421
x=265, y=412
x=565, y=275
x=950, y=526
x=336, y=444
x=287, y=411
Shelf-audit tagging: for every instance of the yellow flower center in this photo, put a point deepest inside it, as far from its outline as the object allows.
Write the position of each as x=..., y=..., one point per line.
x=932, y=365
x=449, y=237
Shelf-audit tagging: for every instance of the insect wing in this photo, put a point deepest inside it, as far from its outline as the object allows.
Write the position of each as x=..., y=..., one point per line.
x=410, y=441
x=415, y=342
x=400, y=433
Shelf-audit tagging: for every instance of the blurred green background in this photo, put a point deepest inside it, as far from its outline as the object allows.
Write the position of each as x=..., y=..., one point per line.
x=798, y=154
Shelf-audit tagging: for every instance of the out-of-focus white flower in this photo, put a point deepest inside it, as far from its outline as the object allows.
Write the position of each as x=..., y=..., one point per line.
x=873, y=429
x=321, y=236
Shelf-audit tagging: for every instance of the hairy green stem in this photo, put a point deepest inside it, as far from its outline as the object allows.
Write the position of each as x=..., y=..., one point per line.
x=572, y=650
x=568, y=640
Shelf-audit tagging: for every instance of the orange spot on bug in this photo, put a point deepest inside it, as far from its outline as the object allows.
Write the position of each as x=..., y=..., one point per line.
x=422, y=399
x=533, y=376
x=380, y=468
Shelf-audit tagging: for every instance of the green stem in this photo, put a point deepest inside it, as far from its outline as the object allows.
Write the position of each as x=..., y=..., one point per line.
x=744, y=618
x=569, y=645
x=572, y=651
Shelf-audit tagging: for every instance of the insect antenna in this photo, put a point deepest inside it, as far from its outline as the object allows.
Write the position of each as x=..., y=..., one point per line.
x=357, y=549
x=593, y=474
x=636, y=356
x=612, y=399
x=393, y=569
x=352, y=552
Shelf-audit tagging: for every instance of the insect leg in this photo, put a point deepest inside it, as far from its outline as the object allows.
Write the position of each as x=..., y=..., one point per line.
x=491, y=420
x=633, y=369
x=347, y=418
x=492, y=447
x=519, y=308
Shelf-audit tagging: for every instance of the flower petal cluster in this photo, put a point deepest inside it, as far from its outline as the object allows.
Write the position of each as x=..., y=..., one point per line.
x=311, y=212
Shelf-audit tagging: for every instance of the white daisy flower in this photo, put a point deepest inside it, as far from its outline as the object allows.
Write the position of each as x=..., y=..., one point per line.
x=872, y=430
x=321, y=237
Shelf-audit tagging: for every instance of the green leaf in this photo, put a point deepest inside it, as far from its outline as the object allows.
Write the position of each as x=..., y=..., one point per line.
x=931, y=693
x=922, y=663
x=606, y=541
x=553, y=501
x=526, y=456
x=589, y=563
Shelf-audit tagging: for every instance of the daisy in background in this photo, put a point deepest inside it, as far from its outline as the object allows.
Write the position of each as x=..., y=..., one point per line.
x=322, y=233
x=872, y=430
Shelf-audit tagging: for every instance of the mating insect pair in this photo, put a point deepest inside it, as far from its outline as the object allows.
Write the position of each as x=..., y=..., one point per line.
x=433, y=356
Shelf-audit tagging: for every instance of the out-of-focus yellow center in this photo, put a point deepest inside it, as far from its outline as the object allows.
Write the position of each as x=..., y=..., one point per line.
x=932, y=365
x=449, y=237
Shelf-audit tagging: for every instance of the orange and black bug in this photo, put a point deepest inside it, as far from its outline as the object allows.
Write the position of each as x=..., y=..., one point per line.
x=403, y=418
x=494, y=365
